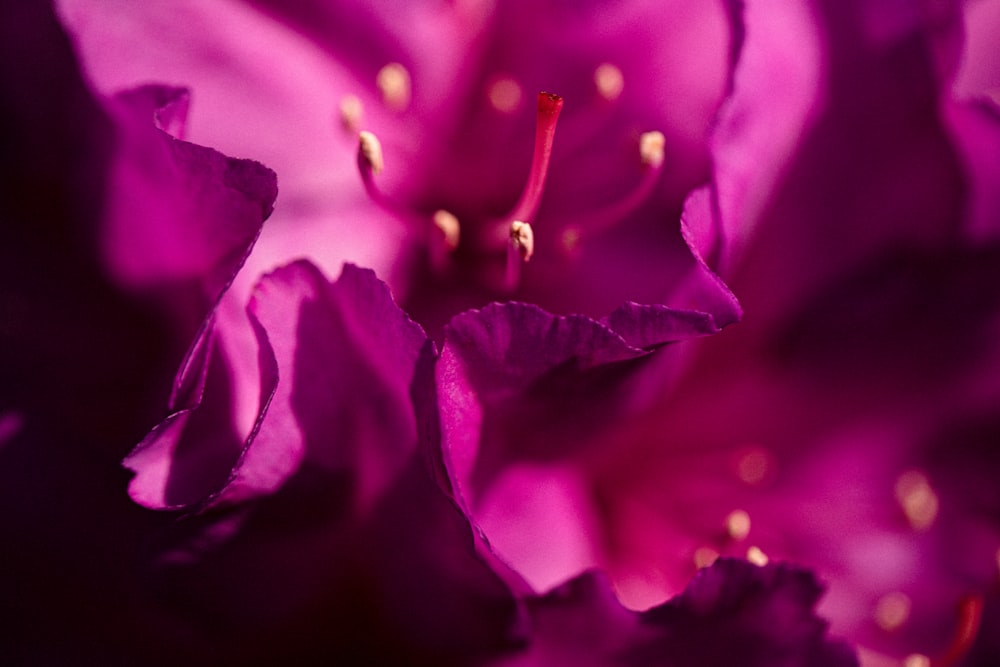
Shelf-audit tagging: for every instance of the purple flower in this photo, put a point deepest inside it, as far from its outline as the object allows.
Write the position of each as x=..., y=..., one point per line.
x=323, y=514
x=594, y=204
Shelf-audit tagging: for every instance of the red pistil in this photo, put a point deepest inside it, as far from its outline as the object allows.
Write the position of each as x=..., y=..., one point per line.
x=970, y=616
x=549, y=106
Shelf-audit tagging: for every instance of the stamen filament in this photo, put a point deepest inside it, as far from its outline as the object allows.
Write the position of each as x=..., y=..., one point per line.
x=549, y=106
x=652, y=157
x=370, y=163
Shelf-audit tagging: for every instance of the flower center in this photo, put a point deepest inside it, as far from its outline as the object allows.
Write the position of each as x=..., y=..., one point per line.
x=473, y=244
x=509, y=237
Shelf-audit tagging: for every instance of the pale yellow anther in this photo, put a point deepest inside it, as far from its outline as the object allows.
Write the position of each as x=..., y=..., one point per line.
x=505, y=94
x=524, y=238
x=705, y=556
x=393, y=81
x=917, y=660
x=351, y=112
x=917, y=499
x=738, y=525
x=892, y=611
x=450, y=228
x=609, y=81
x=651, y=148
x=371, y=150
x=757, y=557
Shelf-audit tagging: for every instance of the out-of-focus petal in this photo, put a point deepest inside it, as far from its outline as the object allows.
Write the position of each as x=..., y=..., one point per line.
x=524, y=397
x=345, y=346
x=732, y=613
x=177, y=212
x=331, y=536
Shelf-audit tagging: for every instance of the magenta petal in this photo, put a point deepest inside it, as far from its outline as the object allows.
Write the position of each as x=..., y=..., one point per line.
x=732, y=613
x=976, y=128
x=522, y=393
x=766, y=615
x=178, y=212
x=345, y=346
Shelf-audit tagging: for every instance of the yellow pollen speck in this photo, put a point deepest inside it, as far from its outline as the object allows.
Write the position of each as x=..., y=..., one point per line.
x=371, y=150
x=609, y=81
x=393, y=81
x=892, y=611
x=757, y=557
x=524, y=238
x=450, y=228
x=917, y=660
x=351, y=112
x=917, y=499
x=738, y=525
x=505, y=94
x=754, y=466
x=651, y=145
x=705, y=556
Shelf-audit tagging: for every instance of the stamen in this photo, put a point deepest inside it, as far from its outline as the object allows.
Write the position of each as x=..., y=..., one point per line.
x=523, y=239
x=651, y=148
x=445, y=233
x=917, y=499
x=519, y=250
x=609, y=81
x=448, y=225
x=738, y=525
x=393, y=81
x=504, y=94
x=757, y=557
x=371, y=163
x=652, y=157
x=892, y=611
x=549, y=106
x=351, y=112
x=370, y=153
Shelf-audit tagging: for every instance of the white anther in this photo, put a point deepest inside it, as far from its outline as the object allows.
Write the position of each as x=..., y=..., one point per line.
x=917, y=499
x=738, y=525
x=450, y=228
x=757, y=557
x=917, y=660
x=524, y=238
x=651, y=148
x=393, y=81
x=505, y=94
x=371, y=150
x=892, y=611
x=609, y=81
